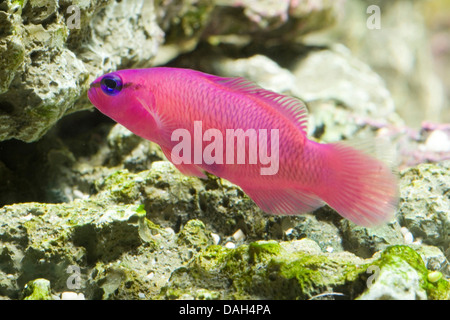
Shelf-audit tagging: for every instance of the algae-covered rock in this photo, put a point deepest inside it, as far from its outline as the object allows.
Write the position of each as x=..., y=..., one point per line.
x=400, y=274
x=115, y=252
x=51, y=50
x=424, y=203
x=194, y=234
x=106, y=251
x=54, y=50
x=38, y=289
x=298, y=270
x=45, y=240
x=263, y=270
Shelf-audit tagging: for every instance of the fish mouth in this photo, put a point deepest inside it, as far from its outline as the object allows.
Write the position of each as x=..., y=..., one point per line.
x=95, y=84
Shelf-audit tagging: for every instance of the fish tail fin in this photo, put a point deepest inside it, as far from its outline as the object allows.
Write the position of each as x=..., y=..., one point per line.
x=360, y=187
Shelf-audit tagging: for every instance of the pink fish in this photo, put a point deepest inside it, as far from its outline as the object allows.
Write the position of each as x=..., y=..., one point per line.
x=169, y=105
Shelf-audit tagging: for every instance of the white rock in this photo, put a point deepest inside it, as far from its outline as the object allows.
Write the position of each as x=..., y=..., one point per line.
x=407, y=235
x=69, y=295
x=399, y=282
x=215, y=237
x=230, y=245
x=438, y=141
x=289, y=231
x=239, y=235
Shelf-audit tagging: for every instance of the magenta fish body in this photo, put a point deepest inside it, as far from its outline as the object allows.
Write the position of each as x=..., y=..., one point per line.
x=250, y=136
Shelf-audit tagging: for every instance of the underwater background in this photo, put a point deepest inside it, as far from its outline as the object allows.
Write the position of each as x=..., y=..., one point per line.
x=88, y=210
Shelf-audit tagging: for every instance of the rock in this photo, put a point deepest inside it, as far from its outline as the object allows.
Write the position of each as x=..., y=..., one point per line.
x=322, y=75
x=433, y=258
x=259, y=69
x=396, y=51
x=183, y=23
x=424, y=203
x=438, y=141
x=120, y=253
x=337, y=75
x=47, y=80
x=39, y=235
x=415, y=146
x=400, y=274
x=344, y=96
x=194, y=235
x=318, y=227
x=127, y=149
x=241, y=22
x=364, y=242
x=51, y=51
x=38, y=289
x=72, y=296
x=298, y=270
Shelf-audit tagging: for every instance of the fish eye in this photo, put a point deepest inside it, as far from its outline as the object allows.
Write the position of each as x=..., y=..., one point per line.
x=111, y=84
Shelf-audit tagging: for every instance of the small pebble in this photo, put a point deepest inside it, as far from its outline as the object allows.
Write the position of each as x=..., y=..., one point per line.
x=289, y=231
x=239, y=235
x=434, y=276
x=438, y=141
x=216, y=238
x=77, y=194
x=230, y=245
x=407, y=235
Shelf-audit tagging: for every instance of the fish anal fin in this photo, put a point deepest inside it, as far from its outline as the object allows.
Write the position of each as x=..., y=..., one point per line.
x=284, y=201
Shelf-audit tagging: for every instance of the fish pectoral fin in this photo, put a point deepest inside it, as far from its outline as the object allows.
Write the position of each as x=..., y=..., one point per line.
x=186, y=169
x=284, y=201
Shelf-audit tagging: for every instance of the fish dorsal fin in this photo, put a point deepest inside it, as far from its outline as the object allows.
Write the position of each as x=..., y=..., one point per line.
x=292, y=108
